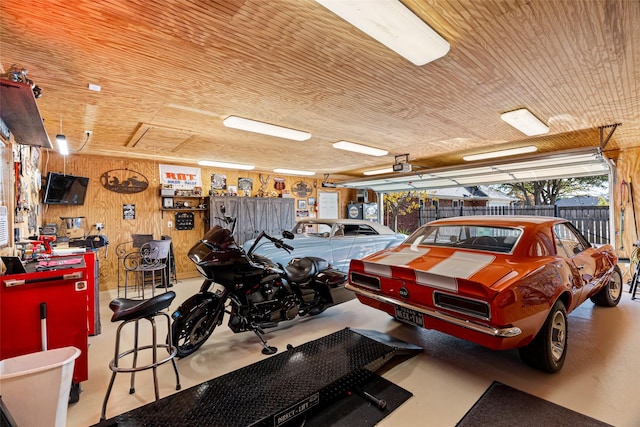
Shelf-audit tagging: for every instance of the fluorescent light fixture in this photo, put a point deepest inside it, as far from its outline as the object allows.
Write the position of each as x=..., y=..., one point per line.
x=501, y=153
x=294, y=172
x=378, y=171
x=393, y=25
x=265, y=128
x=63, y=147
x=226, y=165
x=525, y=122
x=359, y=148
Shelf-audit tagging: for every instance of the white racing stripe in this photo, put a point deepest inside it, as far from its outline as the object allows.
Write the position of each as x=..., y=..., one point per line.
x=377, y=269
x=404, y=257
x=382, y=266
x=460, y=264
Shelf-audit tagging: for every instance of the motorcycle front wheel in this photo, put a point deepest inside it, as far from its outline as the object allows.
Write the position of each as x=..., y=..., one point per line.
x=192, y=330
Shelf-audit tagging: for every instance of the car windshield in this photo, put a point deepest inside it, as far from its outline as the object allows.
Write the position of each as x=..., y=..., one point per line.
x=469, y=236
x=320, y=229
x=316, y=229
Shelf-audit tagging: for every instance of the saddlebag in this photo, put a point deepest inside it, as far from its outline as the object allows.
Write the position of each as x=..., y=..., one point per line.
x=331, y=277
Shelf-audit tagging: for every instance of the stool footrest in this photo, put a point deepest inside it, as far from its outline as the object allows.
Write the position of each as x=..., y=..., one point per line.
x=113, y=366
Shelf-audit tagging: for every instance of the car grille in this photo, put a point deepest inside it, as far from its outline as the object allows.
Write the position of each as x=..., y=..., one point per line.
x=475, y=308
x=366, y=281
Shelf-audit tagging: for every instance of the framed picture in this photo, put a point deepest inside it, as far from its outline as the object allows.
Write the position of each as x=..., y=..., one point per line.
x=128, y=211
x=167, y=202
x=311, y=201
x=302, y=204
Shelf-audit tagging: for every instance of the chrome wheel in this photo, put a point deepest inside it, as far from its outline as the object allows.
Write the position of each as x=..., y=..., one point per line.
x=548, y=350
x=609, y=295
x=558, y=335
x=615, y=287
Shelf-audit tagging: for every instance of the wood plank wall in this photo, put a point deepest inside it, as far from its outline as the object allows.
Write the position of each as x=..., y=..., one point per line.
x=105, y=206
x=6, y=193
x=627, y=169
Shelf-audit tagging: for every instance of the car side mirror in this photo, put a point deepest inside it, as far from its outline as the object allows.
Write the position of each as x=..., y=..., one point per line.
x=287, y=234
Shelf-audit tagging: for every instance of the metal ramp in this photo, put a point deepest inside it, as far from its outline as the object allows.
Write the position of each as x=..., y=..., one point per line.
x=280, y=389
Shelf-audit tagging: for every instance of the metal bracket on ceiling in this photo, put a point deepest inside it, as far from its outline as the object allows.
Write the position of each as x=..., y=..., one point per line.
x=402, y=158
x=604, y=141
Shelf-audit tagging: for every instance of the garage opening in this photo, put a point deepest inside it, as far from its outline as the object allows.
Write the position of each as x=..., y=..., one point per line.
x=594, y=223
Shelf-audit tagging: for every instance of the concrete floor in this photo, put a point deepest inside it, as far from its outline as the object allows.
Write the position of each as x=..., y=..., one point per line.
x=599, y=378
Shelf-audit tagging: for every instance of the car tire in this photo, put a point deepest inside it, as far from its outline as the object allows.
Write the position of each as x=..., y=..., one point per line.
x=548, y=349
x=610, y=294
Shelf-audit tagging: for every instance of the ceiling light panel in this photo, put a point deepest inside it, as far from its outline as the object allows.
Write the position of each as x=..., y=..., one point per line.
x=265, y=128
x=359, y=148
x=394, y=25
x=226, y=165
x=378, y=171
x=525, y=122
x=293, y=172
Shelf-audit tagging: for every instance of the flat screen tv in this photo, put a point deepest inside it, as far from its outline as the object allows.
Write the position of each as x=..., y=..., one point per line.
x=65, y=189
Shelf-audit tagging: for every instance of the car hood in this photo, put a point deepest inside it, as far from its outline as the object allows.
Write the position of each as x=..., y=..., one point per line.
x=484, y=268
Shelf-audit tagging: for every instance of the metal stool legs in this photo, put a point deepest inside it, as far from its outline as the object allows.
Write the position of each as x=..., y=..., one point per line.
x=115, y=367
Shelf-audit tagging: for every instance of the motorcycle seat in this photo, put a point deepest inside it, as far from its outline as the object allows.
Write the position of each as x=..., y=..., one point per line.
x=302, y=269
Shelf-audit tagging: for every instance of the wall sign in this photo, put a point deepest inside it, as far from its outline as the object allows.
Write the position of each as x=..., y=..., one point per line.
x=184, y=220
x=128, y=211
x=301, y=189
x=124, y=181
x=181, y=177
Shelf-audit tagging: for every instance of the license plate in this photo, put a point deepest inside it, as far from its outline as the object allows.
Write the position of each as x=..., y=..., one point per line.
x=409, y=316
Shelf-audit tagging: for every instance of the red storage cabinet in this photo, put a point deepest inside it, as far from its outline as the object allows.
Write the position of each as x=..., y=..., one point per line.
x=65, y=291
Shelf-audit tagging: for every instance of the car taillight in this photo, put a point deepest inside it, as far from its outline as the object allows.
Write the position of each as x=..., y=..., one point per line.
x=471, y=307
x=366, y=281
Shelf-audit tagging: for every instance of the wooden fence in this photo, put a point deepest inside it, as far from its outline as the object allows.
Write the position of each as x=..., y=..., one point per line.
x=592, y=221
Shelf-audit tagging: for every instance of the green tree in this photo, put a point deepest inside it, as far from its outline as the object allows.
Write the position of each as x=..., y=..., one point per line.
x=547, y=192
x=401, y=203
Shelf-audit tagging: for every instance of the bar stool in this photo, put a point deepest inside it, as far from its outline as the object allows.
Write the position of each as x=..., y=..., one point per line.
x=134, y=310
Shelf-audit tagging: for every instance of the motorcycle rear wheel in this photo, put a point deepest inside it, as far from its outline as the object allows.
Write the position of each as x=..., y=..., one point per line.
x=191, y=331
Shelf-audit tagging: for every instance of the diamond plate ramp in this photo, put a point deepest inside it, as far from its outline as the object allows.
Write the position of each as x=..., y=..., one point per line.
x=276, y=390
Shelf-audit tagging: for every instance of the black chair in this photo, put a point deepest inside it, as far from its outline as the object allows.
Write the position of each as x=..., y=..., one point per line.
x=133, y=310
x=142, y=267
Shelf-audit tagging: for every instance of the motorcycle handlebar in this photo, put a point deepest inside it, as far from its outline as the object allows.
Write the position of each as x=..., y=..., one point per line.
x=279, y=243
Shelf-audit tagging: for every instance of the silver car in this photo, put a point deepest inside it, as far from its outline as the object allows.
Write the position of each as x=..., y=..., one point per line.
x=336, y=240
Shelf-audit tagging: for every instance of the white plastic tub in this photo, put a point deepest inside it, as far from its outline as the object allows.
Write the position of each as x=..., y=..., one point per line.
x=35, y=387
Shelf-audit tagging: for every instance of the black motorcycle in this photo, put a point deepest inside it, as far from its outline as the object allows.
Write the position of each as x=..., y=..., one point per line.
x=255, y=292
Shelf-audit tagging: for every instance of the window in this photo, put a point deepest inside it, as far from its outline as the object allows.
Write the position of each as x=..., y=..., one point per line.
x=469, y=236
x=358, y=230
x=568, y=240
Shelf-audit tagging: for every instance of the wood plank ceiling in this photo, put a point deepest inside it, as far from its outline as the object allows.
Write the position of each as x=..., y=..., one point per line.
x=171, y=71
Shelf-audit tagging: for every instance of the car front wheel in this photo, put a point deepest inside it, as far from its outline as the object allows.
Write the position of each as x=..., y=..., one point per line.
x=548, y=349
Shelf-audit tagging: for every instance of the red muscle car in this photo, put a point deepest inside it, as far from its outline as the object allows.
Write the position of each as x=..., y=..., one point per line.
x=501, y=282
